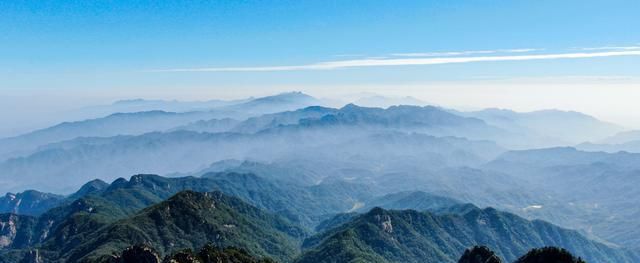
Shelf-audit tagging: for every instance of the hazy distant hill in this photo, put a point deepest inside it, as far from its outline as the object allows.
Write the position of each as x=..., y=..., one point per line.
x=310, y=163
x=431, y=120
x=630, y=146
x=548, y=127
x=112, y=125
x=135, y=123
x=584, y=180
x=209, y=126
x=277, y=103
x=621, y=137
x=275, y=120
x=418, y=200
x=385, y=102
x=182, y=151
x=138, y=105
x=292, y=171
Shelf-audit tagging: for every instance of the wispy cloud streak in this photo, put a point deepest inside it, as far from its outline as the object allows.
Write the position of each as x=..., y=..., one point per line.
x=464, y=53
x=611, y=48
x=411, y=61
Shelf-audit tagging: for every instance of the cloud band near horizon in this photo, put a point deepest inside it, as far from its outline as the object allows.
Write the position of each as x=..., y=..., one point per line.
x=356, y=63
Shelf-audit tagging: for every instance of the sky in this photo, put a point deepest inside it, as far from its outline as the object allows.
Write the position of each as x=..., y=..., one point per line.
x=523, y=55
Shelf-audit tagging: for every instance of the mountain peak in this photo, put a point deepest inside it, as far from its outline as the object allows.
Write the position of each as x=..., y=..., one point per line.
x=287, y=96
x=195, y=200
x=376, y=211
x=90, y=187
x=351, y=106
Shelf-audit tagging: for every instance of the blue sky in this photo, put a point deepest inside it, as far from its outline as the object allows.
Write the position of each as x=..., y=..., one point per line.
x=70, y=37
x=80, y=51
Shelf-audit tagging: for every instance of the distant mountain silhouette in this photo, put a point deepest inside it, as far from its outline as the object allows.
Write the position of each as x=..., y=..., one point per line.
x=149, y=120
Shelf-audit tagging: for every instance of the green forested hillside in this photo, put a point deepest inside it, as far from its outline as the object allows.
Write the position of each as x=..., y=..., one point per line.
x=411, y=236
x=270, y=219
x=191, y=220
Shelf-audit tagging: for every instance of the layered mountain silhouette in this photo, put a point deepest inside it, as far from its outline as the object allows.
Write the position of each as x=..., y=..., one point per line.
x=585, y=180
x=150, y=119
x=168, y=217
x=285, y=178
x=553, y=126
x=183, y=151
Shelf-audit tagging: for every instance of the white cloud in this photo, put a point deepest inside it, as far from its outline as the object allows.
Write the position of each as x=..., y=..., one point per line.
x=444, y=54
x=611, y=48
x=410, y=61
x=462, y=53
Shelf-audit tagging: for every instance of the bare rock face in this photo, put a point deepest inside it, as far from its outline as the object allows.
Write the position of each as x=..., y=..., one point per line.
x=385, y=223
x=8, y=230
x=29, y=202
x=182, y=257
x=32, y=256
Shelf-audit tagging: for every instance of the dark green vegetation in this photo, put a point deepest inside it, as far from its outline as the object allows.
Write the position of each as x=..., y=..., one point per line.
x=65, y=228
x=191, y=220
x=549, y=255
x=207, y=254
x=16, y=231
x=482, y=254
x=271, y=219
x=377, y=151
x=479, y=254
x=411, y=236
x=316, y=184
x=91, y=227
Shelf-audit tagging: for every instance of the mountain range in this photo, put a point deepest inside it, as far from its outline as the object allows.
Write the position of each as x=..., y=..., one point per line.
x=288, y=179
x=411, y=236
x=144, y=210
x=151, y=120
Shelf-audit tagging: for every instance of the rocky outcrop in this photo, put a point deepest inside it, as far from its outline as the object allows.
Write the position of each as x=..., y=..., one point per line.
x=479, y=254
x=16, y=231
x=32, y=256
x=8, y=230
x=29, y=202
